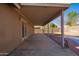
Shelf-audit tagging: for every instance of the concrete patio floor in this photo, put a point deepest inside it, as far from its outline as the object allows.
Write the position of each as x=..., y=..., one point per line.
x=41, y=45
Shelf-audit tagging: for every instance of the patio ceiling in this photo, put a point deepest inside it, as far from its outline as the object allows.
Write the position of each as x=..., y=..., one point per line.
x=41, y=14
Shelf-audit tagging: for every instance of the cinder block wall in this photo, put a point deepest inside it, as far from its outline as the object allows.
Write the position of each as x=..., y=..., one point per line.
x=10, y=29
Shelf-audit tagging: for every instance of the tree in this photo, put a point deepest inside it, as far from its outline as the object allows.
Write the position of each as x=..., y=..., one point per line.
x=53, y=25
x=71, y=15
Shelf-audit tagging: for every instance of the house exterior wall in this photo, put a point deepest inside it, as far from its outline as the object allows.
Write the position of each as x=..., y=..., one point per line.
x=47, y=28
x=38, y=29
x=30, y=28
x=10, y=29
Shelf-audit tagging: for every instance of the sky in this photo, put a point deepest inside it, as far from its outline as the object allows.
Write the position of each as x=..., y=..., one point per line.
x=73, y=6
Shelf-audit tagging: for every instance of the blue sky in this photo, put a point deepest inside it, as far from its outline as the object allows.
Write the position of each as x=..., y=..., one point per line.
x=73, y=6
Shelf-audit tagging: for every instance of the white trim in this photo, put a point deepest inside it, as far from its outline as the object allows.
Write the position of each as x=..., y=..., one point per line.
x=47, y=4
x=25, y=37
x=17, y=5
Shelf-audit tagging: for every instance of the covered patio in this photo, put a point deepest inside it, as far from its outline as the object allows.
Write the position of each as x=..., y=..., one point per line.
x=39, y=44
x=40, y=14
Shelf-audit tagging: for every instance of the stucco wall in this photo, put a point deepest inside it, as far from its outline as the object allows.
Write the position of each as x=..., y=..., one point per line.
x=10, y=29
x=30, y=28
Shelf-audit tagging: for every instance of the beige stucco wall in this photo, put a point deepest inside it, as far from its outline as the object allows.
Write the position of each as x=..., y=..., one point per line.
x=30, y=28
x=38, y=29
x=10, y=29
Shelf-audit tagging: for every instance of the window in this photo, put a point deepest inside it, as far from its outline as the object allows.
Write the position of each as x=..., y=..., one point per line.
x=25, y=32
x=23, y=28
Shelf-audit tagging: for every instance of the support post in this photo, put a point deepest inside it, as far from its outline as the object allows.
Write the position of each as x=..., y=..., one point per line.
x=48, y=27
x=62, y=29
x=44, y=29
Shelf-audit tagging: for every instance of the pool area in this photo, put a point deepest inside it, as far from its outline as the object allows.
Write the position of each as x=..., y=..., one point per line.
x=74, y=39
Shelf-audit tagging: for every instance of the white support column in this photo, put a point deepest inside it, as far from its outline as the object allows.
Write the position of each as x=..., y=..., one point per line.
x=42, y=29
x=62, y=28
x=48, y=27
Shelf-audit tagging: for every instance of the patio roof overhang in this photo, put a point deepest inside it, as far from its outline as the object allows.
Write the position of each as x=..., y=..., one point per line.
x=42, y=13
